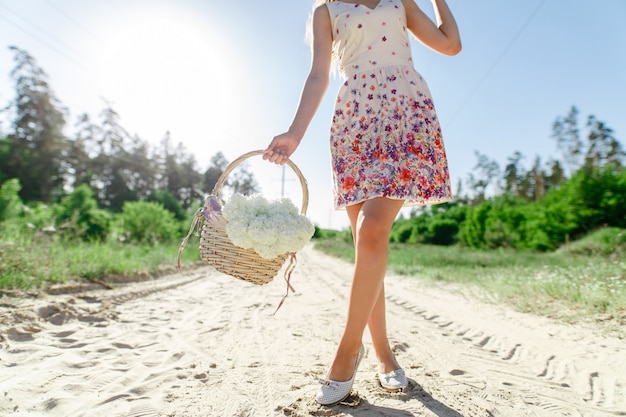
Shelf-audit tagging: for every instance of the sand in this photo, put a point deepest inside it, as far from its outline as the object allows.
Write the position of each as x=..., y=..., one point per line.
x=200, y=343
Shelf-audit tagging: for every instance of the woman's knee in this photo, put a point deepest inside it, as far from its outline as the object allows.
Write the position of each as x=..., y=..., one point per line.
x=379, y=214
x=373, y=230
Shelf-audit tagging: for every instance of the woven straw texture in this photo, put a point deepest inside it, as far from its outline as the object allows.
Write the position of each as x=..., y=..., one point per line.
x=219, y=251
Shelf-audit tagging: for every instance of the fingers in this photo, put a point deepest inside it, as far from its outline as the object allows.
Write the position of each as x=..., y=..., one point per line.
x=279, y=149
x=275, y=156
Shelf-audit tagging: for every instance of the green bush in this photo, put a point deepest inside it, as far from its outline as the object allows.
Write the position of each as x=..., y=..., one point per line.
x=169, y=202
x=98, y=224
x=412, y=230
x=39, y=216
x=442, y=232
x=534, y=233
x=36, y=219
x=472, y=231
x=10, y=201
x=325, y=233
x=438, y=225
x=504, y=226
x=401, y=232
x=609, y=197
x=587, y=201
x=602, y=242
x=79, y=216
x=148, y=222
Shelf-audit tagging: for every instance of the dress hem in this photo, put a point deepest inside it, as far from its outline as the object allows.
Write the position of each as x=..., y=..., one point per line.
x=408, y=202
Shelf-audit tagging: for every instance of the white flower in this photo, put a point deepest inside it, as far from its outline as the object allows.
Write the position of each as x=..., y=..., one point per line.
x=270, y=228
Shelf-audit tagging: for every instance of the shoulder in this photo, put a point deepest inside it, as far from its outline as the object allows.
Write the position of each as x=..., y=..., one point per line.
x=320, y=24
x=410, y=6
x=321, y=13
x=322, y=8
x=414, y=15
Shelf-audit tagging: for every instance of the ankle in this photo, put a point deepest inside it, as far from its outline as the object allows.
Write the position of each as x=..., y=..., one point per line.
x=347, y=351
x=387, y=363
x=344, y=365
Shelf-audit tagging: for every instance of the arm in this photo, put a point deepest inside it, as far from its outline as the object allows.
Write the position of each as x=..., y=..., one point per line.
x=283, y=145
x=443, y=37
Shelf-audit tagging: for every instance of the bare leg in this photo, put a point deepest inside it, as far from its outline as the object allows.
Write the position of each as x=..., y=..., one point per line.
x=377, y=323
x=378, y=329
x=371, y=223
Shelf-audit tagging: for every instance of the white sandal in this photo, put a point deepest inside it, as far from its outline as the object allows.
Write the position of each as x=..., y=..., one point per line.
x=393, y=381
x=332, y=392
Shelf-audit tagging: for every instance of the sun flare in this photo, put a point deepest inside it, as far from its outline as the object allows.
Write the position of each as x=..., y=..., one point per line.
x=160, y=64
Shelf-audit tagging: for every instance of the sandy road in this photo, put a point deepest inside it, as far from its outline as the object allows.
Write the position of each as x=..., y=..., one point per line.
x=203, y=344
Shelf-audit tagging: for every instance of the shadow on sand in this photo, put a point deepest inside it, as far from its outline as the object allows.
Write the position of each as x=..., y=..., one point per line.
x=357, y=406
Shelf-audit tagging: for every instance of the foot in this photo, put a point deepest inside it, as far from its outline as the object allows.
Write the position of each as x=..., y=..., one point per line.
x=332, y=391
x=393, y=381
x=390, y=375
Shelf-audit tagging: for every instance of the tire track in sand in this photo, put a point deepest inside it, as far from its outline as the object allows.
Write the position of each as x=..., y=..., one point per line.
x=489, y=350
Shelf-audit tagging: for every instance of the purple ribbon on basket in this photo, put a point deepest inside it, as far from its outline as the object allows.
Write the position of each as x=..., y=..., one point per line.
x=212, y=207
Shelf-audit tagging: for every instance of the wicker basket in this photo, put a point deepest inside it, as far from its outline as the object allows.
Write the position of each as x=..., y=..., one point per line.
x=219, y=250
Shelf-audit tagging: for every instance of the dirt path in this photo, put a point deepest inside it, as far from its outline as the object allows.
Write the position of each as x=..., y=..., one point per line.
x=203, y=344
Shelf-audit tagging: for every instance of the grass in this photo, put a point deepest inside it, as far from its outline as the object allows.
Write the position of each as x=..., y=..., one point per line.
x=572, y=284
x=581, y=281
x=36, y=262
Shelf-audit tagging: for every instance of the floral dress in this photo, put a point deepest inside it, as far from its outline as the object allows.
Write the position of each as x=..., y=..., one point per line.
x=385, y=137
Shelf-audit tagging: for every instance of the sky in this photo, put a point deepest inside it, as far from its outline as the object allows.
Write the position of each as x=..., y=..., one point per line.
x=226, y=76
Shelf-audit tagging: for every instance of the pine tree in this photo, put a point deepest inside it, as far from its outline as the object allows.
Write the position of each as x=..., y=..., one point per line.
x=37, y=145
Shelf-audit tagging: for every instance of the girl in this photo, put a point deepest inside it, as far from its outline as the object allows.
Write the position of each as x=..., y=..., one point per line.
x=386, y=151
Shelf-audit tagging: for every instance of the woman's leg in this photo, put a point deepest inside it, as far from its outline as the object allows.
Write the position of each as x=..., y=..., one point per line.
x=371, y=223
x=377, y=325
x=377, y=322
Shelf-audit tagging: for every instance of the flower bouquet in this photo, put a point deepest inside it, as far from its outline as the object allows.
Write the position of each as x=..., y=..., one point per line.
x=270, y=228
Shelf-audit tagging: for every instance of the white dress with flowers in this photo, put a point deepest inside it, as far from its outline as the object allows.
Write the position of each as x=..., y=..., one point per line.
x=385, y=136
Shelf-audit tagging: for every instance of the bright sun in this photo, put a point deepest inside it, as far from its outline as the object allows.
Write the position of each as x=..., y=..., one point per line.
x=160, y=66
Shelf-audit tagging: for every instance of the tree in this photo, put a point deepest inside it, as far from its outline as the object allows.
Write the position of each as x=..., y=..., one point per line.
x=178, y=173
x=534, y=182
x=512, y=174
x=603, y=149
x=5, y=150
x=37, y=145
x=459, y=194
x=139, y=171
x=81, y=151
x=488, y=174
x=556, y=176
x=239, y=181
x=190, y=179
x=243, y=182
x=218, y=164
x=567, y=134
x=122, y=167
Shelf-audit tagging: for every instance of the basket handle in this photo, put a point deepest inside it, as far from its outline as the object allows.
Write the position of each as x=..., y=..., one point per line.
x=222, y=179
